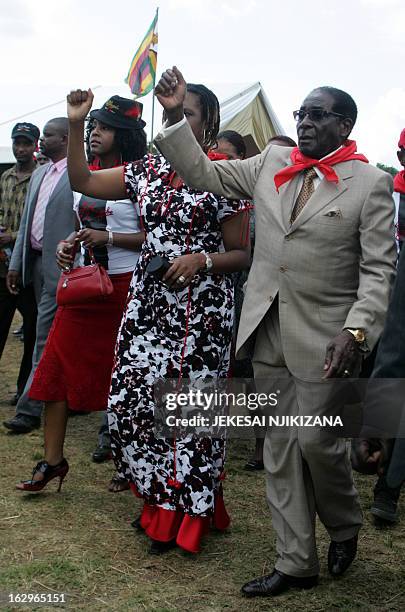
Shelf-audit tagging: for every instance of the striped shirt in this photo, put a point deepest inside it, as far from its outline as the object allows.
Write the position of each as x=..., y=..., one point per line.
x=52, y=176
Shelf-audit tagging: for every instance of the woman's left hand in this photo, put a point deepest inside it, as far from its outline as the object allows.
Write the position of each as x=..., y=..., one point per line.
x=183, y=269
x=92, y=238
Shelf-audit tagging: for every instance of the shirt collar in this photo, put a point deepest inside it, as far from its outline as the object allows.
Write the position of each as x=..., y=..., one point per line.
x=59, y=166
x=331, y=153
x=13, y=172
x=319, y=173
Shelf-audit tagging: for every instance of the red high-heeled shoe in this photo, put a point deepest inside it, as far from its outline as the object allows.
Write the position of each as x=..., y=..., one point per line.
x=49, y=471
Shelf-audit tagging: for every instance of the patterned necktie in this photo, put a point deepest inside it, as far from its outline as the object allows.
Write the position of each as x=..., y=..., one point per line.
x=47, y=185
x=307, y=190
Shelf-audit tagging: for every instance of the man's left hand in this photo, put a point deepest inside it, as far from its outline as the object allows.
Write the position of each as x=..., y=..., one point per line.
x=371, y=456
x=342, y=356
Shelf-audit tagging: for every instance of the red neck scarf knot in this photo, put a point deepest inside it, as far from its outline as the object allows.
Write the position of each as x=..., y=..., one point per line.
x=301, y=162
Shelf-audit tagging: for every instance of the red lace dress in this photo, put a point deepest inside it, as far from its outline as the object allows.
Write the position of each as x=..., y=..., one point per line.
x=78, y=357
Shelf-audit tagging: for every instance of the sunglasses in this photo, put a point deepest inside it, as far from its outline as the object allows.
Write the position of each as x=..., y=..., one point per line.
x=314, y=114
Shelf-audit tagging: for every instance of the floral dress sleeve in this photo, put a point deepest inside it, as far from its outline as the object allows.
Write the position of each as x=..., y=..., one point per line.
x=132, y=173
x=230, y=208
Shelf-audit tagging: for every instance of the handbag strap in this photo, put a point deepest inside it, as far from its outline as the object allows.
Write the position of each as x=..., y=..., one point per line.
x=91, y=254
x=89, y=249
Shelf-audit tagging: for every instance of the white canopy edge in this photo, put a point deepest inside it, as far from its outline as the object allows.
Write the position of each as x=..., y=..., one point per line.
x=230, y=107
x=6, y=155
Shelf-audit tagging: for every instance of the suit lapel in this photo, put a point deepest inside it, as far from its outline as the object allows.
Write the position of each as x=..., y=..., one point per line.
x=64, y=179
x=288, y=194
x=288, y=199
x=325, y=193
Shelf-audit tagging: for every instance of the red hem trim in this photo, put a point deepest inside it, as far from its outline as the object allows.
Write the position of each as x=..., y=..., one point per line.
x=166, y=525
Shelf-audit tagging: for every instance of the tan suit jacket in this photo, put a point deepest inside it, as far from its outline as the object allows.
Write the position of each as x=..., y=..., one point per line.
x=332, y=268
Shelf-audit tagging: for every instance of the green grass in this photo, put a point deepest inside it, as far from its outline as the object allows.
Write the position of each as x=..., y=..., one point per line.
x=80, y=541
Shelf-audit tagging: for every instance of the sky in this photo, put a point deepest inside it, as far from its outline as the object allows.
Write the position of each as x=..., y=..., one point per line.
x=49, y=47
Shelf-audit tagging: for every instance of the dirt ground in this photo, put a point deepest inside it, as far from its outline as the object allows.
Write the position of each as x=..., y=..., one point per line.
x=80, y=542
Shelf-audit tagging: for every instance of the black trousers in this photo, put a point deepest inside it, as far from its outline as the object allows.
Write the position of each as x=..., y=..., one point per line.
x=26, y=304
x=390, y=363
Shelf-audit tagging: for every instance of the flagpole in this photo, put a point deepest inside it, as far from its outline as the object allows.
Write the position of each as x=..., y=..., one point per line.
x=153, y=118
x=153, y=99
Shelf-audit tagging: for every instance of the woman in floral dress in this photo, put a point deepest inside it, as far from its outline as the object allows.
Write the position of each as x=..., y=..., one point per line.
x=178, y=327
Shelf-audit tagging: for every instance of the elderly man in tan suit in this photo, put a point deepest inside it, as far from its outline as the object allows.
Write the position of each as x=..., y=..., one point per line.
x=317, y=295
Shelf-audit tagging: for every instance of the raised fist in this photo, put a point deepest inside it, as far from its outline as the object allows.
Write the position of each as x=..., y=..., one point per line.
x=79, y=104
x=171, y=90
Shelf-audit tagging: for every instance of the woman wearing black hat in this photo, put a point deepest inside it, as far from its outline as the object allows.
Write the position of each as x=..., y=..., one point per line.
x=177, y=326
x=76, y=365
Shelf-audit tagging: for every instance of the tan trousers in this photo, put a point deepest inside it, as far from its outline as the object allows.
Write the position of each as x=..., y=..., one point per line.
x=308, y=469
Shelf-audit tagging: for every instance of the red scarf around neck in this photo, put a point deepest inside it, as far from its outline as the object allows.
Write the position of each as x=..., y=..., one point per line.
x=96, y=165
x=214, y=156
x=399, y=182
x=301, y=162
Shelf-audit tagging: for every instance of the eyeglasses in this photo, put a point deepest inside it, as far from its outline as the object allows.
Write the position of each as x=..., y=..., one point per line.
x=314, y=114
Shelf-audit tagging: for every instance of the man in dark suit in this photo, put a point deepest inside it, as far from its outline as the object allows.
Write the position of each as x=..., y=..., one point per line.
x=375, y=451
x=47, y=219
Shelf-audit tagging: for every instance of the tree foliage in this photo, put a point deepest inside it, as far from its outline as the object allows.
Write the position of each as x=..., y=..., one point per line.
x=390, y=169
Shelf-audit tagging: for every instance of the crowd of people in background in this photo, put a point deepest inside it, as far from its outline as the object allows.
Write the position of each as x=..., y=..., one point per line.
x=277, y=266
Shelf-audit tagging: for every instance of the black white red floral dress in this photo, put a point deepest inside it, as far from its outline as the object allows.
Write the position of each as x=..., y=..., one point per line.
x=168, y=334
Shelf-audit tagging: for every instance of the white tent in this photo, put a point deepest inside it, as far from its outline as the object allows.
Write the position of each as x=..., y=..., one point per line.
x=6, y=155
x=250, y=113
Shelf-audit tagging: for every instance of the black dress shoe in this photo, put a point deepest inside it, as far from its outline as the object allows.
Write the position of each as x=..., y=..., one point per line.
x=136, y=524
x=385, y=505
x=160, y=548
x=276, y=583
x=102, y=453
x=22, y=423
x=341, y=555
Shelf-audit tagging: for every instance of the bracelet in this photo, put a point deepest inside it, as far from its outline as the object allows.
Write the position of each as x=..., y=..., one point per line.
x=110, y=241
x=202, y=267
x=208, y=262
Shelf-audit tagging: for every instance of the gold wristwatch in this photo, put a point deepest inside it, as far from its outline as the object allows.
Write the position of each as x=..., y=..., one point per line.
x=359, y=336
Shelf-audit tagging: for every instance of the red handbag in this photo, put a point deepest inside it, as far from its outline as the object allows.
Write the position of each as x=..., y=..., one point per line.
x=84, y=284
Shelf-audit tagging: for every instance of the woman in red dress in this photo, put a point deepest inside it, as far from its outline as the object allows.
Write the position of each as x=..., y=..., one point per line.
x=75, y=370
